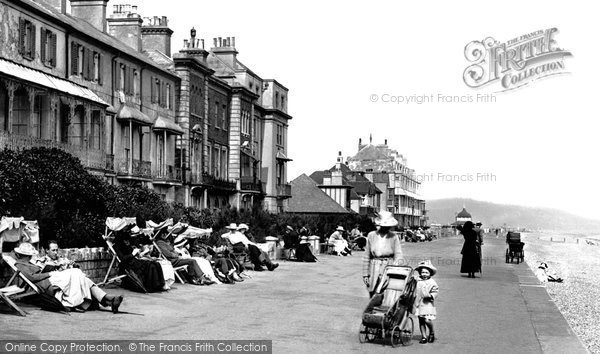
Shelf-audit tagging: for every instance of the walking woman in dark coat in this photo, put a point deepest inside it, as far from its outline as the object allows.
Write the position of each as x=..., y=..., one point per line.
x=471, y=263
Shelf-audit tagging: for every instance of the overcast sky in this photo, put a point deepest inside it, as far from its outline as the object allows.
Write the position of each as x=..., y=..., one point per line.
x=537, y=144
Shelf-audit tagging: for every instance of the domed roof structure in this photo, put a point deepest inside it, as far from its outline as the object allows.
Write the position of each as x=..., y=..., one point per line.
x=463, y=214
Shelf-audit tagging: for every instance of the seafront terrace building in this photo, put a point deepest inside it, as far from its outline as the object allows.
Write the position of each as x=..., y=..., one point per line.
x=388, y=170
x=198, y=127
x=66, y=81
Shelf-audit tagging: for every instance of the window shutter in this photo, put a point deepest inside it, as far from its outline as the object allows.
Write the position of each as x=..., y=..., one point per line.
x=22, y=36
x=131, y=78
x=152, y=89
x=74, y=58
x=128, y=80
x=33, y=36
x=43, y=42
x=99, y=69
x=163, y=90
x=53, y=49
x=118, y=76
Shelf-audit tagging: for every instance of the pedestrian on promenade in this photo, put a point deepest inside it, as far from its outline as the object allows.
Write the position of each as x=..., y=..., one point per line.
x=383, y=248
x=471, y=263
x=427, y=291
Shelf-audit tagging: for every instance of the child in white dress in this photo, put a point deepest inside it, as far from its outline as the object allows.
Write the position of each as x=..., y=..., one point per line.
x=427, y=291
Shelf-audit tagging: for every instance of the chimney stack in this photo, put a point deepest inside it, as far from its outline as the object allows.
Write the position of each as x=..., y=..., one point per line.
x=125, y=24
x=385, y=142
x=92, y=11
x=156, y=34
x=225, y=49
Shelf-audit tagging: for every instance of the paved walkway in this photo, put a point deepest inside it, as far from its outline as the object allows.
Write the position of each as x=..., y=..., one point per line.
x=316, y=307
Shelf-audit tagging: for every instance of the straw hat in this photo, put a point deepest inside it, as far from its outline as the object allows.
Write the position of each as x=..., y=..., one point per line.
x=243, y=227
x=386, y=219
x=426, y=264
x=289, y=228
x=232, y=226
x=26, y=249
x=339, y=228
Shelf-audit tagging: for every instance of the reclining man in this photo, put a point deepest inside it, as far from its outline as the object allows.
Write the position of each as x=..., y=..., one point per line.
x=70, y=286
x=166, y=247
x=53, y=260
x=240, y=242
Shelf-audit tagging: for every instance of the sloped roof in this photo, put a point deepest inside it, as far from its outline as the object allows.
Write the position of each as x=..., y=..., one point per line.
x=308, y=198
x=365, y=187
x=86, y=28
x=161, y=59
x=463, y=214
x=373, y=152
x=318, y=176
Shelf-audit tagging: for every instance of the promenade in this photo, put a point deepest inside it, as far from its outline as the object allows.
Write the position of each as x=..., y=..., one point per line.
x=316, y=307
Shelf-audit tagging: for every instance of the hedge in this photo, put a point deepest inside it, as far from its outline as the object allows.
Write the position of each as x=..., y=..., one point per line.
x=71, y=205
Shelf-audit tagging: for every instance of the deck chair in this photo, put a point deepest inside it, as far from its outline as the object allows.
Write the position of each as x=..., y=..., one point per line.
x=6, y=296
x=46, y=301
x=15, y=230
x=113, y=225
x=157, y=229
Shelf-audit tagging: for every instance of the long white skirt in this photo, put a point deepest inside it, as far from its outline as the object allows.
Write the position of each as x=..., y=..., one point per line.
x=168, y=273
x=339, y=246
x=74, y=286
x=206, y=268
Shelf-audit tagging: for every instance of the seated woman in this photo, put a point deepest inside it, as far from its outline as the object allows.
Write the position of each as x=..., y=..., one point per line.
x=226, y=269
x=70, y=286
x=181, y=246
x=147, y=270
x=240, y=242
x=340, y=245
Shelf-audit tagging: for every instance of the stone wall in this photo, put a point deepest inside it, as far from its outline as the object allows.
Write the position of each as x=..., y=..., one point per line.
x=94, y=262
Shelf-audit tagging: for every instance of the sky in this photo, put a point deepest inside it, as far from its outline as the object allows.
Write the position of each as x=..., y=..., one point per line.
x=533, y=146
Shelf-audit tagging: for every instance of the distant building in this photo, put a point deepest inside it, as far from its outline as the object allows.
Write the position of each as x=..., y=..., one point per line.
x=308, y=198
x=350, y=189
x=462, y=217
x=400, y=189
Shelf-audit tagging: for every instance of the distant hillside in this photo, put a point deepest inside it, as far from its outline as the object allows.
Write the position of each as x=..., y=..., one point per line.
x=443, y=211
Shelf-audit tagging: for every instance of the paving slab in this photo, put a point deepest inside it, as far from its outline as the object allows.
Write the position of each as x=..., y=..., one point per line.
x=317, y=307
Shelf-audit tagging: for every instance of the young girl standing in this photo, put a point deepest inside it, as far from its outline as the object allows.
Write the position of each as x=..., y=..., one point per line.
x=427, y=291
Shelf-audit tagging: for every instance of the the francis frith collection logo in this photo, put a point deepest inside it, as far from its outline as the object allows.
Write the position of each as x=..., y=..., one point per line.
x=514, y=63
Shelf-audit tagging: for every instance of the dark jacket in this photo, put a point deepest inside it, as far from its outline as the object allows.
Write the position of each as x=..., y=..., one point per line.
x=35, y=275
x=168, y=250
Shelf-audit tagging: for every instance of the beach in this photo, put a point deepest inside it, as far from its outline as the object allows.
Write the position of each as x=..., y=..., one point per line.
x=577, y=261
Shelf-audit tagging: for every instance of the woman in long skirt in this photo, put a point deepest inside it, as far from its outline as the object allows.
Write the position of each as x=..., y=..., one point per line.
x=383, y=248
x=471, y=263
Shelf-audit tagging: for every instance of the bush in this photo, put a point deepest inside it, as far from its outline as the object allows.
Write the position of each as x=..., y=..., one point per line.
x=70, y=205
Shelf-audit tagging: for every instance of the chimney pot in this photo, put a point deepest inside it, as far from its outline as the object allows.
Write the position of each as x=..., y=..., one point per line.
x=185, y=44
x=233, y=41
x=220, y=41
x=229, y=41
x=202, y=43
x=215, y=42
x=385, y=141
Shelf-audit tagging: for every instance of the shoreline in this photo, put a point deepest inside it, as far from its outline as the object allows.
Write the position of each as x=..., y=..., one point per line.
x=578, y=297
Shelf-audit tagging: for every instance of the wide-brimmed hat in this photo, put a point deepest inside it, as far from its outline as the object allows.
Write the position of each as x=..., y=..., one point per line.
x=232, y=226
x=468, y=225
x=289, y=228
x=428, y=265
x=478, y=223
x=26, y=249
x=386, y=219
x=243, y=227
x=543, y=265
x=339, y=228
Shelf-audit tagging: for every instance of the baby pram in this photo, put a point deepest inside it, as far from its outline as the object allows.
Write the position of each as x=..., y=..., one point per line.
x=515, y=247
x=388, y=312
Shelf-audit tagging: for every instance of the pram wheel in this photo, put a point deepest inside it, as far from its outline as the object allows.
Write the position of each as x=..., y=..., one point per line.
x=365, y=334
x=403, y=335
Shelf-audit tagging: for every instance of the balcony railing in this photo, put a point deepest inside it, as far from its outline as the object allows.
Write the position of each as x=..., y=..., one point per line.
x=90, y=158
x=141, y=169
x=168, y=173
x=251, y=184
x=284, y=190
